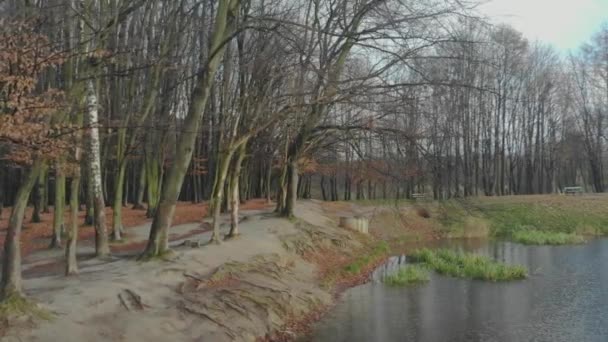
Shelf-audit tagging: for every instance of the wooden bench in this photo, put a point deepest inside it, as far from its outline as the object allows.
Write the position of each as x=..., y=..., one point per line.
x=418, y=196
x=573, y=190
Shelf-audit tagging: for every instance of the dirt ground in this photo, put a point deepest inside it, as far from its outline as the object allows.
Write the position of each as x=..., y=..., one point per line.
x=265, y=285
x=37, y=236
x=249, y=288
x=388, y=221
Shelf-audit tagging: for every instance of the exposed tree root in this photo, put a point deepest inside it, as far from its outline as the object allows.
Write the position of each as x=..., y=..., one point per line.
x=131, y=300
x=194, y=311
x=261, y=297
x=166, y=255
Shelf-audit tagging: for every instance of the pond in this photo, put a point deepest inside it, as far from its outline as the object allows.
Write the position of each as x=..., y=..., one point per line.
x=564, y=299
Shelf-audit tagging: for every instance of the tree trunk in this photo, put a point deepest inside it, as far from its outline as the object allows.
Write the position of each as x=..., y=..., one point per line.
x=89, y=218
x=292, y=187
x=323, y=188
x=3, y=187
x=71, y=262
x=282, y=190
x=102, y=247
x=117, y=228
x=141, y=188
x=218, y=193
x=268, y=183
x=234, y=192
x=158, y=242
x=71, y=265
x=44, y=196
x=153, y=180
x=127, y=193
x=59, y=207
x=11, y=261
x=38, y=197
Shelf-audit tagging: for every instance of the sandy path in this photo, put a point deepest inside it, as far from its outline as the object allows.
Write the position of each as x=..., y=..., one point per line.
x=88, y=307
x=51, y=261
x=122, y=299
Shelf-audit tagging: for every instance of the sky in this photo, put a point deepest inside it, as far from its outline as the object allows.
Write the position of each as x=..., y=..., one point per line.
x=564, y=23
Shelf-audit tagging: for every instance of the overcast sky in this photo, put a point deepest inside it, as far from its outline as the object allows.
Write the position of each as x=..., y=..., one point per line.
x=564, y=23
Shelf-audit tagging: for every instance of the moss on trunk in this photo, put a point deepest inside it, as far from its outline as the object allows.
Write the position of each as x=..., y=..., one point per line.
x=223, y=27
x=59, y=208
x=11, y=260
x=117, y=227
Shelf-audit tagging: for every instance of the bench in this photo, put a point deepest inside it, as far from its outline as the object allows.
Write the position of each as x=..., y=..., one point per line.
x=418, y=196
x=573, y=190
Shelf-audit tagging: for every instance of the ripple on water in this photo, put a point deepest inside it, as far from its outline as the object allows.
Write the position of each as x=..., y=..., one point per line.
x=565, y=299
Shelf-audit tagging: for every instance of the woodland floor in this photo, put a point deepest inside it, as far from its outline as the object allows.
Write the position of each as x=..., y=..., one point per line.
x=249, y=288
x=36, y=237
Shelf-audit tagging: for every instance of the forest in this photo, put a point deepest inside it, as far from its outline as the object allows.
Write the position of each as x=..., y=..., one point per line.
x=146, y=103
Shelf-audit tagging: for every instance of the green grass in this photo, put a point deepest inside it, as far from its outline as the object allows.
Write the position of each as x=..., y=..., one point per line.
x=380, y=250
x=508, y=219
x=409, y=275
x=471, y=227
x=451, y=213
x=536, y=237
x=459, y=219
x=467, y=265
x=502, y=217
x=555, y=221
x=17, y=305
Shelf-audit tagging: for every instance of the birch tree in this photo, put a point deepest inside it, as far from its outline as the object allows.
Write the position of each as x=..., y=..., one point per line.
x=93, y=163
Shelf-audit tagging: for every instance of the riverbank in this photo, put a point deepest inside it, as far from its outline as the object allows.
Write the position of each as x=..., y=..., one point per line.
x=557, y=302
x=533, y=219
x=261, y=285
x=275, y=279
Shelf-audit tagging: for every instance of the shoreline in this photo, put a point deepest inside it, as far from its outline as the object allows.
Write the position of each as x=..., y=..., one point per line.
x=273, y=283
x=248, y=288
x=303, y=326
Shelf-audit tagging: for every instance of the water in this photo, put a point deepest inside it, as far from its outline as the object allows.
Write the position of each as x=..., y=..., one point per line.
x=564, y=299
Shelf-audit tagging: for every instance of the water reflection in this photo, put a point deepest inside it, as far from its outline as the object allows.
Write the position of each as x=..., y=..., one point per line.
x=565, y=299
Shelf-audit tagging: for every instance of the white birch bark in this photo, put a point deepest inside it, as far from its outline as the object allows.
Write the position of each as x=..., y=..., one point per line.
x=102, y=247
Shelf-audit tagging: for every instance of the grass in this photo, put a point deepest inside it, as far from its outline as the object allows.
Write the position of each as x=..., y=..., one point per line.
x=458, y=219
x=530, y=219
x=355, y=267
x=548, y=220
x=507, y=219
x=384, y=201
x=17, y=305
x=467, y=265
x=409, y=275
x=536, y=237
x=470, y=228
x=349, y=269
